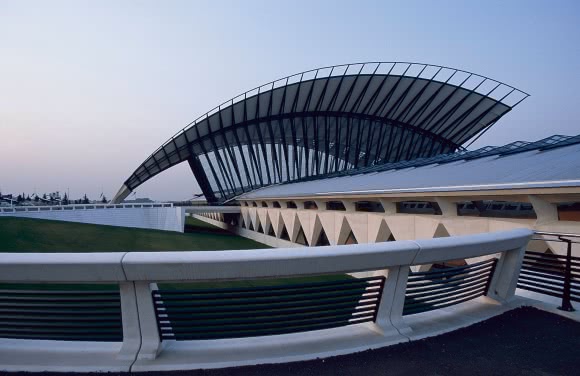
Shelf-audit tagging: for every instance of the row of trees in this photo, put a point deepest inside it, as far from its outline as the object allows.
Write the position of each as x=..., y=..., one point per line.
x=21, y=198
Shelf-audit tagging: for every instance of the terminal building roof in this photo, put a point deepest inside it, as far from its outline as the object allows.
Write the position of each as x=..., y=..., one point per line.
x=330, y=120
x=548, y=163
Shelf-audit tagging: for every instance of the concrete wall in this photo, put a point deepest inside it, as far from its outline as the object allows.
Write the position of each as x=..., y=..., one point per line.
x=156, y=217
x=370, y=227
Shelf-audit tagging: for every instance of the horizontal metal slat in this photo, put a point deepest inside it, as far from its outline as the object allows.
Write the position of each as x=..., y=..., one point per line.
x=548, y=255
x=267, y=313
x=526, y=271
x=454, y=269
x=63, y=331
x=448, y=298
x=443, y=281
x=59, y=293
x=444, y=276
x=538, y=290
x=269, y=307
x=549, y=260
x=541, y=270
x=59, y=311
x=267, y=326
x=176, y=324
x=83, y=318
x=554, y=283
x=64, y=337
x=451, y=289
x=241, y=334
x=280, y=308
x=271, y=288
x=425, y=308
x=438, y=286
x=57, y=300
x=265, y=294
x=269, y=300
x=64, y=325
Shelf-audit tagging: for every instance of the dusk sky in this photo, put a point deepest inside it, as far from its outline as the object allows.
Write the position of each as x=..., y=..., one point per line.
x=89, y=89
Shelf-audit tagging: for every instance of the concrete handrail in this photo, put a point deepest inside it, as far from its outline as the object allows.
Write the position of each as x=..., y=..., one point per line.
x=137, y=272
x=245, y=264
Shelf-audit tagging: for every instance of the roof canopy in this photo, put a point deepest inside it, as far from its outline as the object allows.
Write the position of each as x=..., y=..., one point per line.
x=330, y=120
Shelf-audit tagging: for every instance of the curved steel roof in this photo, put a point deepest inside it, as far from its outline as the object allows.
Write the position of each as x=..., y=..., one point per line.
x=553, y=162
x=328, y=120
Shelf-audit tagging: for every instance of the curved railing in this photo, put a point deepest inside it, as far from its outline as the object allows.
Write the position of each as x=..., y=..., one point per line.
x=348, y=299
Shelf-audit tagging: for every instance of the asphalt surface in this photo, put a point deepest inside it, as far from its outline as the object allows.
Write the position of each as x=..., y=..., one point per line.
x=525, y=341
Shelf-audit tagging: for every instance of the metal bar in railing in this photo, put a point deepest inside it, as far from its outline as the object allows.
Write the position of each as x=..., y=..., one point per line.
x=533, y=264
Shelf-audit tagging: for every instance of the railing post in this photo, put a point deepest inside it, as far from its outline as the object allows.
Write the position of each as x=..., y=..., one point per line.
x=566, y=303
x=505, y=278
x=150, y=341
x=389, y=320
x=130, y=318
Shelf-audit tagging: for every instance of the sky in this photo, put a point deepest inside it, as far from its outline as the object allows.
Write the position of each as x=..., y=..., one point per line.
x=88, y=89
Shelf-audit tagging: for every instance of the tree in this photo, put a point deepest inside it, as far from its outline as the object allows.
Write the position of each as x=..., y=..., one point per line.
x=19, y=198
x=104, y=199
x=86, y=199
x=27, y=197
x=65, y=200
x=44, y=196
x=36, y=198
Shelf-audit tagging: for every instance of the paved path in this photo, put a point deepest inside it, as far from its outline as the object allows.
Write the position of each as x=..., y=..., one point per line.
x=524, y=341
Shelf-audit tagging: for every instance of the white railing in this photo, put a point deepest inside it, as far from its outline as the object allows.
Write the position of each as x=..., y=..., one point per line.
x=24, y=209
x=138, y=272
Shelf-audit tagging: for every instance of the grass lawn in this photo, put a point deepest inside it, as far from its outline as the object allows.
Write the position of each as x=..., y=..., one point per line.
x=35, y=235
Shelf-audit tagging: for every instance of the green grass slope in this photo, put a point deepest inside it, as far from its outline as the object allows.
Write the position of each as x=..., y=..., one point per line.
x=34, y=235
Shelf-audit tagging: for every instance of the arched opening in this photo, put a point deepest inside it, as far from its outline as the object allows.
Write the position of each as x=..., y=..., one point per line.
x=310, y=205
x=369, y=206
x=335, y=205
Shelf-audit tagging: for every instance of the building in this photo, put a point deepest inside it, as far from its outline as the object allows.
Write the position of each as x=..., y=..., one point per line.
x=372, y=152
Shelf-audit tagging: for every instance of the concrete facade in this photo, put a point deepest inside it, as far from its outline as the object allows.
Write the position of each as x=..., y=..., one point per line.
x=148, y=216
x=372, y=227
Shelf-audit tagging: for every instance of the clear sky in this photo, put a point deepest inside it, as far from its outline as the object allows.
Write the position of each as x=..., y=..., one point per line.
x=89, y=89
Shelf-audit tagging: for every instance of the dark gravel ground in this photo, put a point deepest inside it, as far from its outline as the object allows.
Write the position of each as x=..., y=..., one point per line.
x=525, y=341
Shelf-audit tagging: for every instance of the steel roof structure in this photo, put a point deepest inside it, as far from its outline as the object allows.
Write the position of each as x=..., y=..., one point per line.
x=331, y=120
x=551, y=162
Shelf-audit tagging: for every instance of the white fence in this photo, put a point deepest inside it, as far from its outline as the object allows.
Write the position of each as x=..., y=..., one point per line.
x=137, y=274
x=156, y=216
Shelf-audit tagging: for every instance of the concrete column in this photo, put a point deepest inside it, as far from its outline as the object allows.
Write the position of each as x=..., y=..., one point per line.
x=505, y=278
x=130, y=317
x=320, y=204
x=349, y=205
x=546, y=212
x=389, y=206
x=389, y=320
x=448, y=207
x=299, y=204
x=150, y=341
